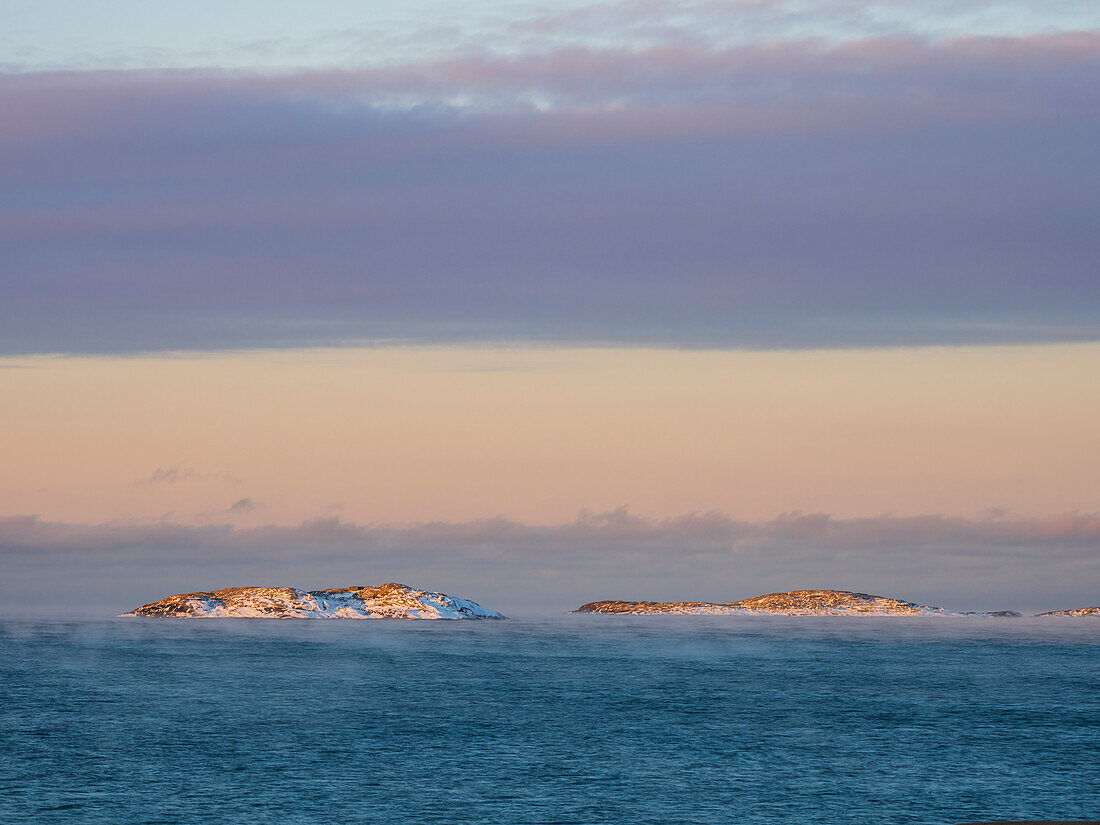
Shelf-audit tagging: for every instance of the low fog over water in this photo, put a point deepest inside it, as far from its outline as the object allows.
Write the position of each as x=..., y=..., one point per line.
x=579, y=719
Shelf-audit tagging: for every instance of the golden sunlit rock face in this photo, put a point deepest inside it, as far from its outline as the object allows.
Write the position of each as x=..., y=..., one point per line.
x=794, y=603
x=386, y=601
x=1079, y=611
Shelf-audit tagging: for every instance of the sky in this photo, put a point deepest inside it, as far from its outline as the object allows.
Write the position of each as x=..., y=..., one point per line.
x=544, y=303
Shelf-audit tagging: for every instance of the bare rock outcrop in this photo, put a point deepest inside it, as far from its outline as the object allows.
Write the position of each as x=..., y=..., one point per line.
x=386, y=601
x=1078, y=611
x=794, y=603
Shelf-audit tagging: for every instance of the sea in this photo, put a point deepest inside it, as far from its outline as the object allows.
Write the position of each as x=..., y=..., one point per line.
x=574, y=719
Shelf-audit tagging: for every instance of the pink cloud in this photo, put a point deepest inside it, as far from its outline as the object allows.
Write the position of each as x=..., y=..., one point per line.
x=775, y=85
x=801, y=191
x=982, y=563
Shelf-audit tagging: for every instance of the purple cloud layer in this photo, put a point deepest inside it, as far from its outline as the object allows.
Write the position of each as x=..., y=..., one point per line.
x=990, y=563
x=885, y=191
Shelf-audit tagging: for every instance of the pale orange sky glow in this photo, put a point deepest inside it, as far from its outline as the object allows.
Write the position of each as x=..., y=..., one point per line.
x=415, y=434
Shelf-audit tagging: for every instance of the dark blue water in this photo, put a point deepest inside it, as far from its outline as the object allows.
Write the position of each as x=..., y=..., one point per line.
x=579, y=720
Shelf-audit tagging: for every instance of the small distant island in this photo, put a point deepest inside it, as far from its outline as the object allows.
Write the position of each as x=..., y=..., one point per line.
x=794, y=603
x=386, y=601
x=1079, y=611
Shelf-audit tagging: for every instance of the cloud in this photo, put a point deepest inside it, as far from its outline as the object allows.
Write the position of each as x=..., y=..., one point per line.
x=354, y=38
x=240, y=507
x=178, y=473
x=244, y=505
x=985, y=563
x=765, y=84
x=717, y=22
x=885, y=191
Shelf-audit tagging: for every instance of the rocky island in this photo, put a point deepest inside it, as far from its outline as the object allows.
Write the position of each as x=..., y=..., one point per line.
x=794, y=603
x=387, y=601
x=1079, y=611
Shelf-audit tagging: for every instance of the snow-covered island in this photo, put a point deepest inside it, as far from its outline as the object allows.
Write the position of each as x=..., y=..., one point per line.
x=387, y=601
x=1078, y=611
x=794, y=603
